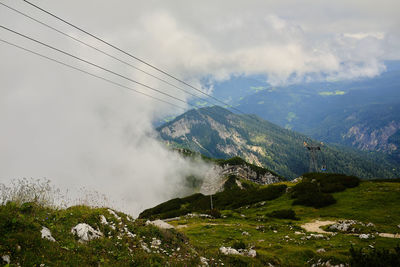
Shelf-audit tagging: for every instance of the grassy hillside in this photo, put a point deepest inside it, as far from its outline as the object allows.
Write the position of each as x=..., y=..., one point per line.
x=285, y=242
x=268, y=224
x=218, y=133
x=121, y=244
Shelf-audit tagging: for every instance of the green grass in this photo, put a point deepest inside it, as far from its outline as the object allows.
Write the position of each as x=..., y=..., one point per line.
x=20, y=238
x=274, y=239
x=369, y=202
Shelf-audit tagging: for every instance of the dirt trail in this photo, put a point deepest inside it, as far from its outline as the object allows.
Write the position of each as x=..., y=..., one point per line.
x=315, y=226
x=389, y=235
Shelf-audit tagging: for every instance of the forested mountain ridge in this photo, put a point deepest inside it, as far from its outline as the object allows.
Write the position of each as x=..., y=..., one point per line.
x=359, y=113
x=218, y=133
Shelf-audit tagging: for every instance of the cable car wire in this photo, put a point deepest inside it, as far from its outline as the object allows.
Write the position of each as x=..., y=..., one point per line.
x=101, y=51
x=88, y=73
x=128, y=54
x=93, y=64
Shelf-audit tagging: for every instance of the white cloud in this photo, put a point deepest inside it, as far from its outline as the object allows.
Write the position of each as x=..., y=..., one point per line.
x=81, y=132
x=362, y=35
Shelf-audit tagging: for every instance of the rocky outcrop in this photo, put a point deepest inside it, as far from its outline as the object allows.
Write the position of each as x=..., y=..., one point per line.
x=365, y=138
x=85, y=232
x=245, y=172
x=160, y=224
x=244, y=252
x=217, y=176
x=46, y=234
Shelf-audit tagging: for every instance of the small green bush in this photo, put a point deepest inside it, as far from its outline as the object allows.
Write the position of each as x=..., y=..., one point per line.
x=168, y=206
x=28, y=207
x=314, y=190
x=239, y=245
x=316, y=200
x=230, y=184
x=332, y=187
x=214, y=213
x=283, y=214
x=304, y=188
x=332, y=182
x=309, y=194
x=375, y=258
x=171, y=214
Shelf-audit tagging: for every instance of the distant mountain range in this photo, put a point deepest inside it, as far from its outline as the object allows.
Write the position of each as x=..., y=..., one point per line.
x=219, y=133
x=364, y=114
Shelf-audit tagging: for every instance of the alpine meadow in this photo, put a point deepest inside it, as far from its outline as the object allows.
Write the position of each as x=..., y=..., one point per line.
x=200, y=133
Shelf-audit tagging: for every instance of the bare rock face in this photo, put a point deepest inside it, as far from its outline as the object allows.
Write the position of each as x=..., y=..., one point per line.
x=231, y=141
x=216, y=177
x=245, y=172
x=366, y=138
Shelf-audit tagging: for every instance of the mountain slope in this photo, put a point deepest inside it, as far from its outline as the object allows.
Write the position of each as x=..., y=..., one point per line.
x=299, y=240
x=363, y=114
x=216, y=132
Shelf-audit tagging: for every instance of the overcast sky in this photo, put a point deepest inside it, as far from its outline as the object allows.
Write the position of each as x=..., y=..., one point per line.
x=193, y=39
x=76, y=130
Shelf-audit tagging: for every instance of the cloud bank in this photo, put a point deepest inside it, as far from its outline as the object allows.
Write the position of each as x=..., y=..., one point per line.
x=285, y=40
x=78, y=131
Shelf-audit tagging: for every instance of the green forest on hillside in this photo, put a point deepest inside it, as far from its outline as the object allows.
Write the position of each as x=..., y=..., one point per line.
x=283, y=150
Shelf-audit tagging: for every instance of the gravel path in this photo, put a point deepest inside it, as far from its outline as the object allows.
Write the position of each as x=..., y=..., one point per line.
x=315, y=226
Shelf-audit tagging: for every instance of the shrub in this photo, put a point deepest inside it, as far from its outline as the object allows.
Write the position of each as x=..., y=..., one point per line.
x=332, y=182
x=304, y=188
x=375, y=258
x=171, y=214
x=193, y=197
x=314, y=190
x=214, y=213
x=27, y=207
x=309, y=194
x=239, y=198
x=283, y=214
x=332, y=187
x=230, y=184
x=229, y=199
x=239, y=245
x=316, y=200
x=350, y=181
x=170, y=205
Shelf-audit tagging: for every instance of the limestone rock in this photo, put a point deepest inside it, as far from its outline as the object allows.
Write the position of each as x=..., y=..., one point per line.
x=160, y=224
x=85, y=232
x=46, y=234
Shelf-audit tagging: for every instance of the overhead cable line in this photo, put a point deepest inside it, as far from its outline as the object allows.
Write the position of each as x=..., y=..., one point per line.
x=101, y=51
x=98, y=76
x=93, y=64
x=88, y=73
x=129, y=54
x=206, y=111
